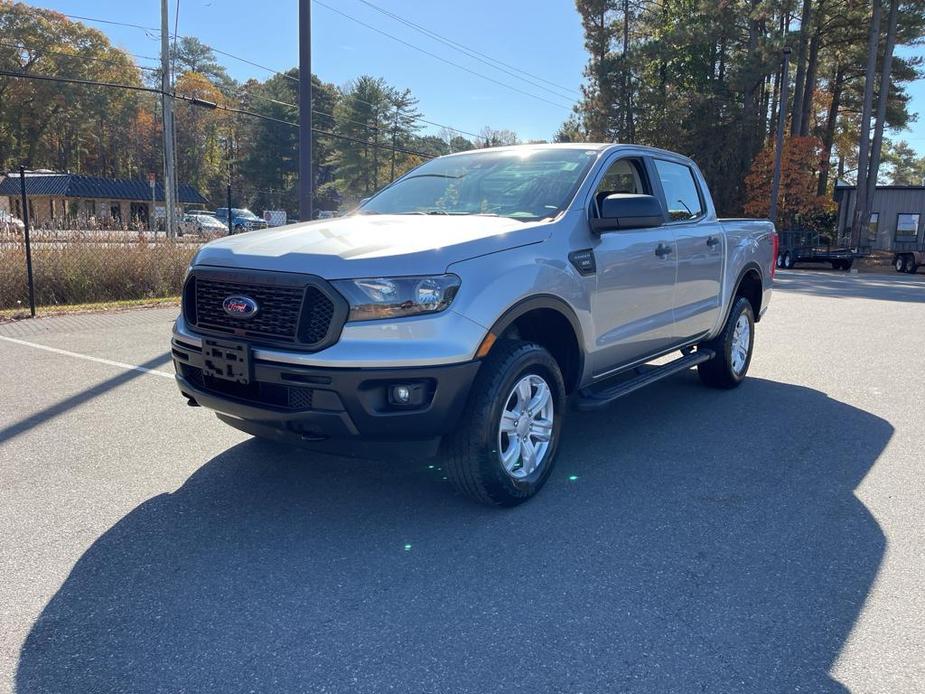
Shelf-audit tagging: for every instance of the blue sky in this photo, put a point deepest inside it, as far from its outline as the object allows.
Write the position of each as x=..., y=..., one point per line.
x=542, y=37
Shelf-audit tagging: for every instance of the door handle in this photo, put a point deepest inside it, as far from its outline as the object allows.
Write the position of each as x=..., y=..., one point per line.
x=662, y=250
x=712, y=241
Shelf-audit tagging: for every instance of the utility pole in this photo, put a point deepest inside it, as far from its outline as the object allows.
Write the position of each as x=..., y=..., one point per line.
x=306, y=184
x=170, y=174
x=779, y=137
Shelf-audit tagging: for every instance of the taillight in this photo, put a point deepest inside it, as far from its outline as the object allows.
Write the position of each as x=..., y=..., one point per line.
x=775, y=249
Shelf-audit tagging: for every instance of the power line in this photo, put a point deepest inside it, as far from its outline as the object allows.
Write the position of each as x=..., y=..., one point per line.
x=205, y=104
x=477, y=55
x=248, y=62
x=114, y=23
x=441, y=58
x=75, y=55
x=320, y=113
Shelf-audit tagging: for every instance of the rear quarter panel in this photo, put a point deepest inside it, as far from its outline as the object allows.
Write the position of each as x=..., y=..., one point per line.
x=749, y=244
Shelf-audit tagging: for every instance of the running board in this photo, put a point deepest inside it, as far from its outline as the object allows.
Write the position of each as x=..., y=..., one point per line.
x=589, y=399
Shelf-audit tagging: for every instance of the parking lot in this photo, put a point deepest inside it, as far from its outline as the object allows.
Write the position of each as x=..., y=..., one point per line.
x=764, y=539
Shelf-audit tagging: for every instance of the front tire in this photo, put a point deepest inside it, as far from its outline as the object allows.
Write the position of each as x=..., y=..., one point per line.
x=505, y=449
x=733, y=347
x=788, y=261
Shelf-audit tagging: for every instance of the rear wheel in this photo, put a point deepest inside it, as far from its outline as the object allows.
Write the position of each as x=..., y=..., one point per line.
x=899, y=262
x=912, y=267
x=506, y=447
x=733, y=347
x=788, y=260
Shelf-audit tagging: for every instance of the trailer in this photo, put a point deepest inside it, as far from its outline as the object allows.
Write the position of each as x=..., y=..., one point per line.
x=908, y=256
x=812, y=247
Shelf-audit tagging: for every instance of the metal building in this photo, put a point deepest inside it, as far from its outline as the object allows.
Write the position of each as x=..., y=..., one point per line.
x=897, y=218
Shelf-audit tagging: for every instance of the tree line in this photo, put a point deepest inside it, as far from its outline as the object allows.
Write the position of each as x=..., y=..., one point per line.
x=699, y=77
x=368, y=131
x=705, y=78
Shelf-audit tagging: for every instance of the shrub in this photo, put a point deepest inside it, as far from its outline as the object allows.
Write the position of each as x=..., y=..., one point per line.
x=79, y=268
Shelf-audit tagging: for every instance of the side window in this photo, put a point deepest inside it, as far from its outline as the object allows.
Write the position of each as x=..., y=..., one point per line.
x=681, y=192
x=907, y=225
x=872, y=225
x=623, y=176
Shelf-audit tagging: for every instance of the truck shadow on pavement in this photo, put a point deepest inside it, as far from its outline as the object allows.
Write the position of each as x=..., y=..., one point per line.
x=710, y=541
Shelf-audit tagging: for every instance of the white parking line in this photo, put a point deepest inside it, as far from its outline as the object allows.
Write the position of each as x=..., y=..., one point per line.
x=121, y=365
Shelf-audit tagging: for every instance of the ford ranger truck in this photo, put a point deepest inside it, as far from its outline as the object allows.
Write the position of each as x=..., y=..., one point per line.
x=461, y=310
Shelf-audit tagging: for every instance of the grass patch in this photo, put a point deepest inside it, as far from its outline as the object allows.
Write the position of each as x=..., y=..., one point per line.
x=87, y=269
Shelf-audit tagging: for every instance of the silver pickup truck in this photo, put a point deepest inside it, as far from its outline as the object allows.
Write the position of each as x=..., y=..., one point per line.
x=463, y=308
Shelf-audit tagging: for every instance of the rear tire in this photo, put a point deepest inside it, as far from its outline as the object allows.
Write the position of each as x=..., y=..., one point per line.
x=899, y=263
x=474, y=453
x=733, y=347
x=788, y=261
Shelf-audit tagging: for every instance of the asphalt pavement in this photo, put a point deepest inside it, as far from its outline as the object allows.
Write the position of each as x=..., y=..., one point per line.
x=768, y=538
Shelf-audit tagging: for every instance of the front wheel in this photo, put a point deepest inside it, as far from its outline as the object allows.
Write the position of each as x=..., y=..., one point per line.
x=788, y=260
x=505, y=448
x=733, y=347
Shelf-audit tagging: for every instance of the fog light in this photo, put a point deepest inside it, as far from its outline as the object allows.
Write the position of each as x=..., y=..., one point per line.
x=406, y=395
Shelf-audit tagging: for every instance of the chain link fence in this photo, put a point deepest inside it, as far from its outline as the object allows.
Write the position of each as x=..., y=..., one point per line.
x=91, y=265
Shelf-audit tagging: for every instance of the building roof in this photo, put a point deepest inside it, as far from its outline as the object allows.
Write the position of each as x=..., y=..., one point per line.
x=67, y=185
x=843, y=185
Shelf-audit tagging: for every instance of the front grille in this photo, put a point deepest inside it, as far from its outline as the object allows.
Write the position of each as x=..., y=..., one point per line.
x=298, y=310
x=317, y=312
x=277, y=395
x=276, y=319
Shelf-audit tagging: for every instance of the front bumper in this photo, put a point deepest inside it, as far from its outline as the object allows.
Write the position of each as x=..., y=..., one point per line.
x=327, y=407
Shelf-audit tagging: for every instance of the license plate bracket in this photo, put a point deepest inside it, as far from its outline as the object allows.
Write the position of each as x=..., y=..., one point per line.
x=229, y=361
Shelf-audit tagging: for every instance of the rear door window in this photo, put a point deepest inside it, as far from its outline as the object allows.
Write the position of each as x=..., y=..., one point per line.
x=681, y=192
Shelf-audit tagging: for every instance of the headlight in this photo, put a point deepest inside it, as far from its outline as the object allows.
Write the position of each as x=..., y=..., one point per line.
x=382, y=297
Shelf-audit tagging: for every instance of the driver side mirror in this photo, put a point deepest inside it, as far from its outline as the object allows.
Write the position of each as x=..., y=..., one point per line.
x=628, y=211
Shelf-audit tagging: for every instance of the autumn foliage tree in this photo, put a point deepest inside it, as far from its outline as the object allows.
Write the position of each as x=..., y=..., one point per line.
x=799, y=202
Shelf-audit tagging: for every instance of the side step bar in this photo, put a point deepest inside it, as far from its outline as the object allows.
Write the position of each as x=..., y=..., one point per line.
x=590, y=399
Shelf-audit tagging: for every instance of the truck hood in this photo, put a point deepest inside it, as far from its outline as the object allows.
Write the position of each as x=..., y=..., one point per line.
x=372, y=245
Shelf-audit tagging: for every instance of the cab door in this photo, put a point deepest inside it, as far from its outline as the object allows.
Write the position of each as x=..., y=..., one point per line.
x=632, y=308
x=700, y=245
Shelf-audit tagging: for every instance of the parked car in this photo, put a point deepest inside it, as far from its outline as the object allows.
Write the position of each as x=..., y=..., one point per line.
x=10, y=223
x=461, y=308
x=202, y=224
x=812, y=247
x=241, y=219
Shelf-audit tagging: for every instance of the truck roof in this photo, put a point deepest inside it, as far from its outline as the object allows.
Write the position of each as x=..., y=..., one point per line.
x=598, y=146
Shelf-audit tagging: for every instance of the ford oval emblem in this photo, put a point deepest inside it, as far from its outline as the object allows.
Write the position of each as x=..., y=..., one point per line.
x=240, y=306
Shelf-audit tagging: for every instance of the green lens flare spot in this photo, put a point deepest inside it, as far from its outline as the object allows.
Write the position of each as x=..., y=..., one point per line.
x=407, y=548
x=572, y=478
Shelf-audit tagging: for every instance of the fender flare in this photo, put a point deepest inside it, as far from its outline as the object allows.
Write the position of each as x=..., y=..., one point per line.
x=544, y=301
x=750, y=265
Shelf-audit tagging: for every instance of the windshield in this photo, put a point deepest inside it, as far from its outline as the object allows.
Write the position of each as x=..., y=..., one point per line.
x=246, y=214
x=527, y=184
